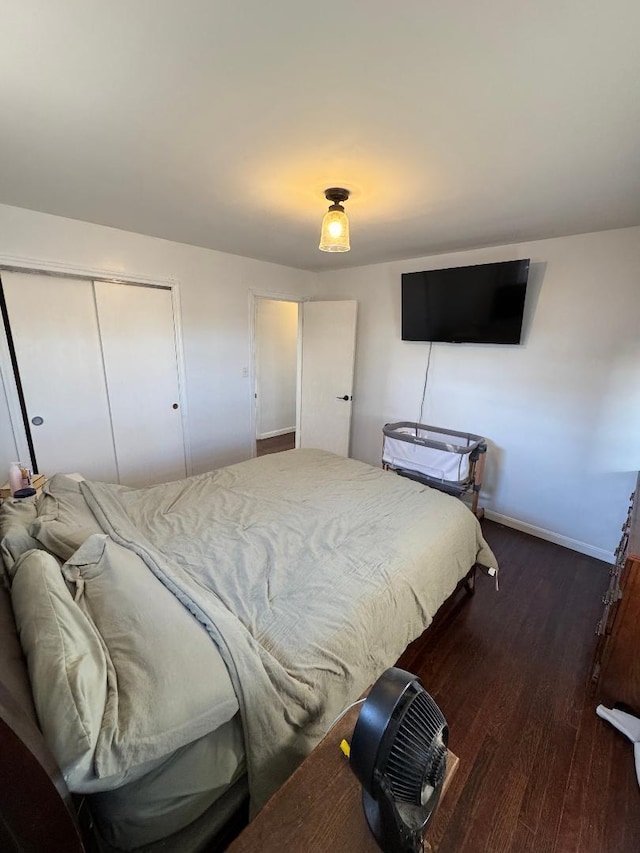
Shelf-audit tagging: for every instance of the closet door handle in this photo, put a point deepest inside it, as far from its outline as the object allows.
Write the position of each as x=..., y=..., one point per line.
x=175, y=406
x=346, y=397
x=37, y=421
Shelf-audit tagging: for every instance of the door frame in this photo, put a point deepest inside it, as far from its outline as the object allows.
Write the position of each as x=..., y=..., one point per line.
x=254, y=297
x=62, y=270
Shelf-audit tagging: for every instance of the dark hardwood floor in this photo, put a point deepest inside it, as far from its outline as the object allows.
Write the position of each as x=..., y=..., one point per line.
x=538, y=770
x=276, y=444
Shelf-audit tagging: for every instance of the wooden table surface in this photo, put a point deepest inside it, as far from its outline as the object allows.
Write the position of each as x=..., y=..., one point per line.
x=319, y=808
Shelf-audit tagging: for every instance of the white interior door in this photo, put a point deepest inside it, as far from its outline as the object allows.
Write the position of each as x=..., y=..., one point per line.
x=276, y=366
x=55, y=335
x=138, y=345
x=328, y=352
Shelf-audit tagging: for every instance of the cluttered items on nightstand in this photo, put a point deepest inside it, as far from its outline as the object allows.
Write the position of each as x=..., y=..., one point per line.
x=22, y=482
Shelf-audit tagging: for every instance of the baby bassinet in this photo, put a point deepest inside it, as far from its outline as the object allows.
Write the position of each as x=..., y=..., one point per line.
x=443, y=458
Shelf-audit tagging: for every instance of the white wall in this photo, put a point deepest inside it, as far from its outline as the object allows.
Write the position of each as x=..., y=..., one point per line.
x=276, y=366
x=561, y=411
x=214, y=293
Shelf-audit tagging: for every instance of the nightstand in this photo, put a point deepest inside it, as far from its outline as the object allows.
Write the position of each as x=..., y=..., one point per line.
x=37, y=482
x=319, y=808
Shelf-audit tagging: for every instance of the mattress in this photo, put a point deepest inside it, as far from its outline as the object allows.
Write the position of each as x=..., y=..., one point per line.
x=443, y=456
x=179, y=790
x=439, y=464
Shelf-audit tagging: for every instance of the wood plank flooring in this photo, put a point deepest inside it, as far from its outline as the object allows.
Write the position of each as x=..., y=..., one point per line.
x=538, y=770
x=276, y=444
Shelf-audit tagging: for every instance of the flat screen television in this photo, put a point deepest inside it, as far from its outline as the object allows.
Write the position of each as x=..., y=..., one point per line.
x=483, y=304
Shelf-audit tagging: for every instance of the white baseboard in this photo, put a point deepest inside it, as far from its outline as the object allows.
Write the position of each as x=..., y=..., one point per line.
x=275, y=432
x=550, y=536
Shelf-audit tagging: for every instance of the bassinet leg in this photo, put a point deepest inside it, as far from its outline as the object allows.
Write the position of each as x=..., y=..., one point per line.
x=470, y=582
x=478, y=471
x=475, y=509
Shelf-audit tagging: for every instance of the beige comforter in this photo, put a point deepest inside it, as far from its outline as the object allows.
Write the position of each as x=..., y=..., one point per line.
x=311, y=572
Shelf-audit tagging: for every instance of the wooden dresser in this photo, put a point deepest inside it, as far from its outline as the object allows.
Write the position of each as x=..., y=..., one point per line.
x=616, y=670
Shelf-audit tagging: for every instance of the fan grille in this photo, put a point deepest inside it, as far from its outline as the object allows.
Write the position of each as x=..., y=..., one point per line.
x=417, y=757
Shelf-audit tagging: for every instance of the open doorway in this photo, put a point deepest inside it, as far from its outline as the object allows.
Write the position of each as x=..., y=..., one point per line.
x=276, y=374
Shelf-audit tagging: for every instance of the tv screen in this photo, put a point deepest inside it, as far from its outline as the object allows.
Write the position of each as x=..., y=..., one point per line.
x=482, y=304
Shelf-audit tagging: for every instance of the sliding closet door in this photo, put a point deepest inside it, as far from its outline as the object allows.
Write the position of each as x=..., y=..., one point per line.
x=55, y=335
x=138, y=346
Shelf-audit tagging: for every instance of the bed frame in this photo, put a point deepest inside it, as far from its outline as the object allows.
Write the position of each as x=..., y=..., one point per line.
x=38, y=812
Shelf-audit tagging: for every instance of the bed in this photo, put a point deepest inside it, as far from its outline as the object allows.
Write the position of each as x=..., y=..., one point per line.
x=188, y=644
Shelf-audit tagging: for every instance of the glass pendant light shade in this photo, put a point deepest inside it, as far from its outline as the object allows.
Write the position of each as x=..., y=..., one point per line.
x=334, y=235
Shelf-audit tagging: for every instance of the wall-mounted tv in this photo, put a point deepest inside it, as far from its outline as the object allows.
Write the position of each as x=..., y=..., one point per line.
x=483, y=304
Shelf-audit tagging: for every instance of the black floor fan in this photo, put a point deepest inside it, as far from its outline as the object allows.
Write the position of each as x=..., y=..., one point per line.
x=399, y=754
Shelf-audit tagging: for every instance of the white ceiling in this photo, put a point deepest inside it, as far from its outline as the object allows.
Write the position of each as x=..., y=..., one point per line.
x=455, y=124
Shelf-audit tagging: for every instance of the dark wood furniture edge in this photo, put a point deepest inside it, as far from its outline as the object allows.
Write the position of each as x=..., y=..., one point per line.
x=633, y=549
x=616, y=671
x=37, y=809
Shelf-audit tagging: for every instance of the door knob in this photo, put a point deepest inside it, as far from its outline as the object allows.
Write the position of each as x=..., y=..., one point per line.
x=37, y=421
x=175, y=406
x=345, y=398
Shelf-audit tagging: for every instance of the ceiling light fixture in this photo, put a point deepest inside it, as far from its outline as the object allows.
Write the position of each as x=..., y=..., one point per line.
x=334, y=235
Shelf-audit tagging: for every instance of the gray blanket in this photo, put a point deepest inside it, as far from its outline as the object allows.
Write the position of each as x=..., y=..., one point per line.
x=311, y=572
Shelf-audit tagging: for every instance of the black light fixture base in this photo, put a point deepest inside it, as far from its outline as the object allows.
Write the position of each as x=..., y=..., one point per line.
x=336, y=194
